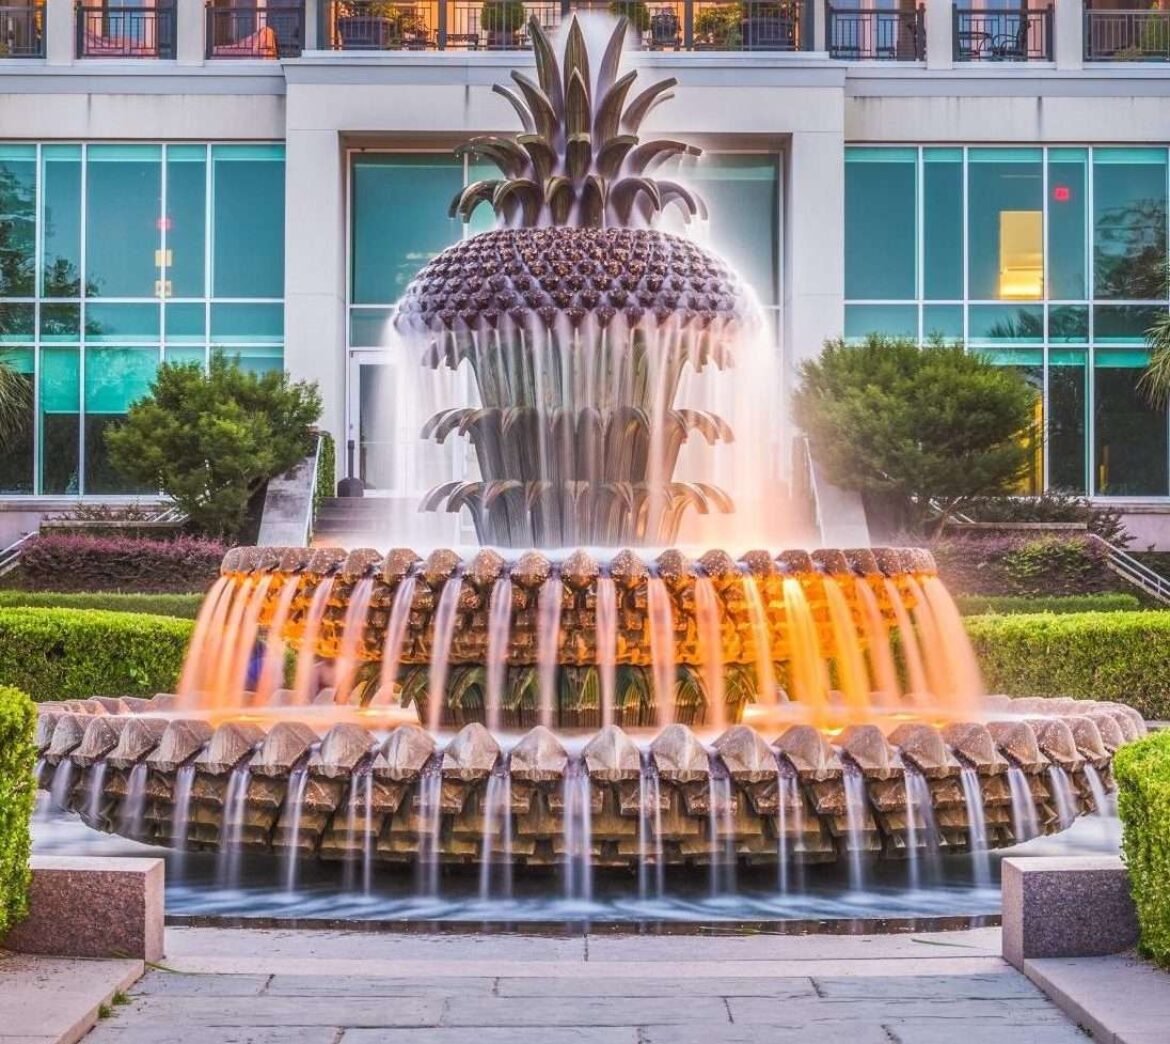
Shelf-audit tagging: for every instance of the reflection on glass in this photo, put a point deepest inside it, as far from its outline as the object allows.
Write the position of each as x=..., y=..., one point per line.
x=1067, y=412
x=1129, y=221
x=891, y=320
x=123, y=237
x=1131, y=443
x=881, y=225
x=60, y=398
x=1030, y=366
x=16, y=454
x=942, y=220
x=61, y=220
x=248, y=221
x=1005, y=248
x=185, y=223
x=943, y=321
x=1005, y=324
x=1068, y=324
x=18, y=208
x=1124, y=324
x=1067, y=207
x=115, y=378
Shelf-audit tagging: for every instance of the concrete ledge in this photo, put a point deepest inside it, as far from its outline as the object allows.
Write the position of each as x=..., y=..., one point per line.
x=1066, y=907
x=99, y=907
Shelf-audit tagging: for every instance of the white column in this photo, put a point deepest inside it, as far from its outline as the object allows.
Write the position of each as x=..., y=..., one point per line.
x=59, y=36
x=814, y=243
x=939, y=34
x=191, y=19
x=820, y=26
x=314, y=270
x=313, y=10
x=1069, y=19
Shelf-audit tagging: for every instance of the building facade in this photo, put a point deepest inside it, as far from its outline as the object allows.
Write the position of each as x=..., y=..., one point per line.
x=179, y=177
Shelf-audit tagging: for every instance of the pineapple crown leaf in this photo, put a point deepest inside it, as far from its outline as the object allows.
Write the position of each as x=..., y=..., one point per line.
x=576, y=162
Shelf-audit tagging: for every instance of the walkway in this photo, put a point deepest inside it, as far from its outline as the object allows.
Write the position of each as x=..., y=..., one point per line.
x=299, y=987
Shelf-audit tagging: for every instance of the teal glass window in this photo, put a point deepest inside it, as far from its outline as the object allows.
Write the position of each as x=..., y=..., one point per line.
x=61, y=220
x=743, y=204
x=115, y=378
x=1005, y=243
x=16, y=462
x=1029, y=365
x=1005, y=324
x=890, y=320
x=186, y=323
x=186, y=356
x=258, y=323
x=60, y=434
x=1124, y=324
x=18, y=220
x=1131, y=443
x=399, y=219
x=248, y=221
x=17, y=322
x=258, y=359
x=942, y=224
x=185, y=223
x=1068, y=204
x=369, y=327
x=110, y=322
x=881, y=227
x=942, y=321
x=60, y=323
x=123, y=220
x=1129, y=224
x=1068, y=324
x=1068, y=405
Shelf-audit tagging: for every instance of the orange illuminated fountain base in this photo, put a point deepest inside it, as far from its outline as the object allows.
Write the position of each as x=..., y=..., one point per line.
x=784, y=727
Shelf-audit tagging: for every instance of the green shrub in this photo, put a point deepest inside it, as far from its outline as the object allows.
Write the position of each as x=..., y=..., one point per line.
x=17, y=791
x=978, y=605
x=63, y=654
x=326, y=482
x=1142, y=770
x=1099, y=656
x=1014, y=564
x=183, y=606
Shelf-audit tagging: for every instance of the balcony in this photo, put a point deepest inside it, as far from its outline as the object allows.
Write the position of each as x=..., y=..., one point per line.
x=257, y=32
x=898, y=36
x=1126, y=33
x=106, y=31
x=502, y=25
x=22, y=30
x=1007, y=34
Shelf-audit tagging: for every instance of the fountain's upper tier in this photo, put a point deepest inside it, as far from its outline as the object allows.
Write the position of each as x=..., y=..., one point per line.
x=534, y=276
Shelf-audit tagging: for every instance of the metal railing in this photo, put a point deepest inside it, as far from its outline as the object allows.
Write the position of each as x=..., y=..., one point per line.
x=22, y=31
x=1126, y=36
x=502, y=25
x=105, y=31
x=1008, y=34
x=1135, y=572
x=898, y=36
x=10, y=556
x=260, y=32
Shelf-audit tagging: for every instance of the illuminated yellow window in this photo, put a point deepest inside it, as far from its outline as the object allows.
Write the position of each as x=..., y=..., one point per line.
x=1021, y=255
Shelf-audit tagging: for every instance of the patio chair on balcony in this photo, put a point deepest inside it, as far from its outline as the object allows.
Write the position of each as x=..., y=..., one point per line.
x=1011, y=47
x=665, y=31
x=260, y=44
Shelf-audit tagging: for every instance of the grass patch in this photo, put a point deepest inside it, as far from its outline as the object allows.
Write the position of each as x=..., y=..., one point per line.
x=980, y=605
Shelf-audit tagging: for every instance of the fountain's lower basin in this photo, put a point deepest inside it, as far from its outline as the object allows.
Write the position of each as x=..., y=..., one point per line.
x=352, y=793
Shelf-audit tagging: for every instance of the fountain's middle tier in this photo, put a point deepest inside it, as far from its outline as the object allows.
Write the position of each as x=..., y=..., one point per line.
x=579, y=641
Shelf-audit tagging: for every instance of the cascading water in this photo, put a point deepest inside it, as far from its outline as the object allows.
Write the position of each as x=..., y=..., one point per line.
x=721, y=830
x=62, y=786
x=919, y=805
x=235, y=819
x=430, y=818
x=1062, y=795
x=1102, y=805
x=134, y=805
x=788, y=802
x=548, y=636
x=441, y=653
x=395, y=637
x=298, y=780
x=1025, y=821
x=499, y=631
x=607, y=636
x=95, y=790
x=497, y=824
x=577, y=797
x=855, y=816
x=650, y=855
x=181, y=818
x=976, y=827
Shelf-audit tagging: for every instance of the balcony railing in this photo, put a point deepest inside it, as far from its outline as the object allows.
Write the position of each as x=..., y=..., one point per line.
x=502, y=25
x=276, y=30
x=22, y=31
x=1126, y=36
x=105, y=31
x=1008, y=34
x=898, y=36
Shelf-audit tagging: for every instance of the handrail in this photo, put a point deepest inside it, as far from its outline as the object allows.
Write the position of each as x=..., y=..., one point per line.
x=311, y=513
x=1133, y=570
x=10, y=556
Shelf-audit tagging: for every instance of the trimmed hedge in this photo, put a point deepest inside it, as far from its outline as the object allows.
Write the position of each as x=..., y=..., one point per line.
x=978, y=605
x=1102, y=656
x=1142, y=770
x=18, y=720
x=71, y=562
x=182, y=606
x=63, y=654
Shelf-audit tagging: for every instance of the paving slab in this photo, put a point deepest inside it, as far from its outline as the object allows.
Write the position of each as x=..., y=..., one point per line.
x=54, y=1000
x=563, y=1010
x=504, y=1035
x=270, y=1012
x=716, y=984
x=331, y=986
x=1120, y=999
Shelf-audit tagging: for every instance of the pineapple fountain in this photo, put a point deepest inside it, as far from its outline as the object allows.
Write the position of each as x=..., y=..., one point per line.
x=610, y=705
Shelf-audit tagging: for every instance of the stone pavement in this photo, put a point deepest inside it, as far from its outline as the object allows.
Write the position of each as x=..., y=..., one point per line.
x=301, y=987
